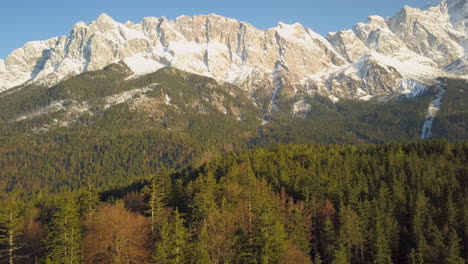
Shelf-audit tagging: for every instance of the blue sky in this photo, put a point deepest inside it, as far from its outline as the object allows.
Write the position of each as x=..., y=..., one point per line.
x=25, y=20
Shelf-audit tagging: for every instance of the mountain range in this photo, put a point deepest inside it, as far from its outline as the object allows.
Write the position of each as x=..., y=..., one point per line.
x=219, y=67
x=398, y=55
x=207, y=140
x=110, y=97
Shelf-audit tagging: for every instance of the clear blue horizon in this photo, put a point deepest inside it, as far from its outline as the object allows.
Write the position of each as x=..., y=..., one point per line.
x=40, y=20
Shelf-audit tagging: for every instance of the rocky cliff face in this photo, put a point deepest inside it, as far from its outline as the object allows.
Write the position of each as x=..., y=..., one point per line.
x=429, y=33
x=384, y=57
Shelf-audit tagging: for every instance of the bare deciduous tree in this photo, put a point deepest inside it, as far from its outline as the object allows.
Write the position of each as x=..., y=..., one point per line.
x=115, y=235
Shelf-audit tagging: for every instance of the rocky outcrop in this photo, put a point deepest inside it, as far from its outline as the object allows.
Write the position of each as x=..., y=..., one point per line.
x=348, y=45
x=429, y=33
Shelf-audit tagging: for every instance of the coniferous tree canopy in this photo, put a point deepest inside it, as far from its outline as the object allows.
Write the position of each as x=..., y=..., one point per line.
x=394, y=203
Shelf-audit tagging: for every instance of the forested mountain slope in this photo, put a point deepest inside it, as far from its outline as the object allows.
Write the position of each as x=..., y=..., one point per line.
x=106, y=124
x=206, y=140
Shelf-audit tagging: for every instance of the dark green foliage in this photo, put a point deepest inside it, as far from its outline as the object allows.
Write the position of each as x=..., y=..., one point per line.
x=43, y=163
x=172, y=242
x=351, y=234
x=392, y=201
x=55, y=151
x=120, y=141
x=395, y=203
x=156, y=191
x=269, y=236
x=64, y=232
x=375, y=222
x=452, y=121
x=350, y=122
x=198, y=253
x=12, y=217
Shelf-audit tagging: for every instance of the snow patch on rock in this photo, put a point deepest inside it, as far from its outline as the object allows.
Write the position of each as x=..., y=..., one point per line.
x=140, y=65
x=333, y=98
x=412, y=88
x=69, y=107
x=52, y=108
x=301, y=107
x=126, y=96
x=167, y=99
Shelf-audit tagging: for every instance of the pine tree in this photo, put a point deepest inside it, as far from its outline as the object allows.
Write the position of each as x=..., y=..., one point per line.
x=162, y=250
x=341, y=255
x=419, y=224
x=88, y=198
x=350, y=233
x=172, y=241
x=452, y=249
x=366, y=212
x=268, y=236
x=386, y=227
x=198, y=252
x=156, y=193
x=297, y=231
x=204, y=199
x=384, y=253
x=64, y=232
x=328, y=240
x=12, y=216
x=243, y=248
x=436, y=243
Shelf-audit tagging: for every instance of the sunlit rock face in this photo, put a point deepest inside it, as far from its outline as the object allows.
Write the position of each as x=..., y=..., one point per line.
x=374, y=59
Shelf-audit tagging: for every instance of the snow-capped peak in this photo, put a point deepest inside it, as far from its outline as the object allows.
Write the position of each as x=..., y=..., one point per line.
x=80, y=24
x=105, y=18
x=411, y=45
x=377, y=20
x=291, y=32
x=430, y=32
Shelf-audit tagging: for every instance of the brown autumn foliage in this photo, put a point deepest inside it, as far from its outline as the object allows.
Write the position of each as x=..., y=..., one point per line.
x=293, y=255
x=328, y=209
x=33, y=237
x=116, y=235
x=220, y=225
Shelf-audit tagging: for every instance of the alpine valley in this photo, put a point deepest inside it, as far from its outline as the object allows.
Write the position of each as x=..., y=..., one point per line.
x=178, y=92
